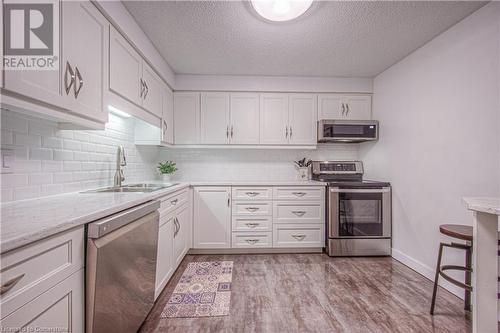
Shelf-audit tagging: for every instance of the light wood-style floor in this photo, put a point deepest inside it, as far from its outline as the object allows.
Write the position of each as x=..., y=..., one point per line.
x=315, y=293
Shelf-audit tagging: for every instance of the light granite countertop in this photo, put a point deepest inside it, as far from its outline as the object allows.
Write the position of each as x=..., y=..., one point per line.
x=27, y=221
x=490, y=205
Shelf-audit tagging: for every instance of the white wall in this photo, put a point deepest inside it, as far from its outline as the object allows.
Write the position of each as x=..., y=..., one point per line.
x=248, y=164
x=439, y=122
x=272, y=83
x=50, y=161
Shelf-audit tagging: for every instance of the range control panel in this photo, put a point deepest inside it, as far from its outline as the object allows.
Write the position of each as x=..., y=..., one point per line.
x=337, y=167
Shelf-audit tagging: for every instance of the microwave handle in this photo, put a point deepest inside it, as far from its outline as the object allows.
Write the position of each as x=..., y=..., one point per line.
x=366, y=190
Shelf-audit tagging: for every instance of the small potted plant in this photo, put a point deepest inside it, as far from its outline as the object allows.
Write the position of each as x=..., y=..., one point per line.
x=166, y=170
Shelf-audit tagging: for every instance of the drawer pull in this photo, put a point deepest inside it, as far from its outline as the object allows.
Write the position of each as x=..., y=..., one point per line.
x=252, y=209
x=299, y=194
x=251, y=194
x=10, y=284
x=174, y=202
x=251, y=241
x=299, y=237
x=252, y=225
x=299, y=213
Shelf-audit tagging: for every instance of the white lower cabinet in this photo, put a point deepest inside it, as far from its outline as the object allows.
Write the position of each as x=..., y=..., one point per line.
x=59, y=309
x=165, y=254
x=299, y=235
x=212, y=216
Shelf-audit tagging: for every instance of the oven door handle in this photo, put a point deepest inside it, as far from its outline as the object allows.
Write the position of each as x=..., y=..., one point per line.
x=366, y=190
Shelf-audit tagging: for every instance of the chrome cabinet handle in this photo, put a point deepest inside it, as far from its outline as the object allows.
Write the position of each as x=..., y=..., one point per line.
x=69, y=70
x=252, y=209
x=232, y=132
x=165, y=127
x=286, y=131
x=174, y=202
x=227, y=131
x=142, y=87
x=251, y=241
x=10, y=284
x=79, y=80
x=177, y=226
x=228, y=200
x=146, y=89
x=343, y=108
x=252, y=225
x=347, y=109
x=299, y=213
x=291, y=133
x=299, y=237
x=251, y=194
x=299, y=194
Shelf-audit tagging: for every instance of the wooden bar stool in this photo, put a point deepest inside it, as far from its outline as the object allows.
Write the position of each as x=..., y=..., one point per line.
x=464, y=233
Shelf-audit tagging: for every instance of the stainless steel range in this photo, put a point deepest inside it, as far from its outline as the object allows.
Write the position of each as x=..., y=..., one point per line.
x=358, y=211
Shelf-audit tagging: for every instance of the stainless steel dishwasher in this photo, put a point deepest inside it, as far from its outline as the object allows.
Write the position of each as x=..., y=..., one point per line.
x=121, y=269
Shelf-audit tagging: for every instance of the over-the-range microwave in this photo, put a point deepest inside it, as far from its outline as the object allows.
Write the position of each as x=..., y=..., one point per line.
x=347, y=130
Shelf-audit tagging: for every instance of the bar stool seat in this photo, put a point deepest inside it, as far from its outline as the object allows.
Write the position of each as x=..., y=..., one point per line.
x=464, y=233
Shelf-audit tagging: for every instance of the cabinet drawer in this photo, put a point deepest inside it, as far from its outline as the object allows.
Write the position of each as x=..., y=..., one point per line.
x=39, y=266
x=299, y=193
x=299, y=212
x=304, y=235
x=255, y=208
x=171, y=202
x=252, y=224
x=252, y=240
x=252, y=193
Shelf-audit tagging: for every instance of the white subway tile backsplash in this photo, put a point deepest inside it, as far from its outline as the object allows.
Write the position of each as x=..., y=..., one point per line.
x=50, y=161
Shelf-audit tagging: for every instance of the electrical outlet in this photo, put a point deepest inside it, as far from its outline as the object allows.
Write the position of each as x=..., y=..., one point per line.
x=7, y=159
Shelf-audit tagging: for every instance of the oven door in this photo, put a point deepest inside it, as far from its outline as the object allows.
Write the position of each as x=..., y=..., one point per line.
x=359, y=213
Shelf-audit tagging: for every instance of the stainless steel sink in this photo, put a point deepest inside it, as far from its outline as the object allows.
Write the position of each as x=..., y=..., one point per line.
x=138, y=188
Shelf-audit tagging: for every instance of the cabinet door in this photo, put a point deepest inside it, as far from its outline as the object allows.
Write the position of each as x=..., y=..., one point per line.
x=59, y=309
x=40, y=85
x=186, y=118
x=244, y=118
x=358, y=107
x=125, y=68
x=274, y=118
x=303, y=119
x=85, y=47
x=152, y=96
x=212, y=217
x=181, y=236
x=164, y=257
x=214, y=118
x=330, y=106
x=167, y=124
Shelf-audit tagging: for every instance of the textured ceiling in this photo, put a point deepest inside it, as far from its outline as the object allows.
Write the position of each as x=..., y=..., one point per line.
x=352, y=38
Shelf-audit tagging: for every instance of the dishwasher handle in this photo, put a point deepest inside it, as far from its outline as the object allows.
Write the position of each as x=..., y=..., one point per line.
x=110, y=223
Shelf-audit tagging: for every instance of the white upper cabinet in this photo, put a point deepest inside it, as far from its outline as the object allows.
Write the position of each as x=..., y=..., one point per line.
x=244, y=128
x=274, y=119
x=341, y=106
x=165, y=254
x=358, y=107
x=167, y=124
x=186, y=118
x=153, y=89
x=125, y=68
x=87, y=93
x=212, y=217
x=77, y=88
x=215, y=118
x=302, y=119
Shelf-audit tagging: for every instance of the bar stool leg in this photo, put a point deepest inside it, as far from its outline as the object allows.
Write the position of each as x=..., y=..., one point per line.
x=468, y=275
x=436, y=278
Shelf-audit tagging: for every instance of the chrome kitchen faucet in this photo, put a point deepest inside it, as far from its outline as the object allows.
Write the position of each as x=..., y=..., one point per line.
x=120, y=162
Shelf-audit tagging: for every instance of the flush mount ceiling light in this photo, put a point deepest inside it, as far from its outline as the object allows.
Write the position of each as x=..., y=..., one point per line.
x=281, y=10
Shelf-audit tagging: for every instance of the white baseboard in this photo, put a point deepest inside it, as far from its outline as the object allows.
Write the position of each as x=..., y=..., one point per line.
x=426, y=271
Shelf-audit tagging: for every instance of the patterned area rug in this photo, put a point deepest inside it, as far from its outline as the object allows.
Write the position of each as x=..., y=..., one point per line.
x=204, y=290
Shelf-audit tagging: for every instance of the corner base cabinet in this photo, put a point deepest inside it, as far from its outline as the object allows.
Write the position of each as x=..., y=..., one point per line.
x=212, y=213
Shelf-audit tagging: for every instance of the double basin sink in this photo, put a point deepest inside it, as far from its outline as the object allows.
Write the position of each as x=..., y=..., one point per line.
x=139, y=188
